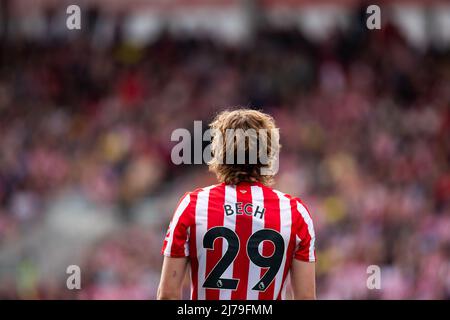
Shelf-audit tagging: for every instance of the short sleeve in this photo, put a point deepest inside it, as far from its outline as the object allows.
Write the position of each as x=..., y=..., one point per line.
x=305, y=235
x=176, y=242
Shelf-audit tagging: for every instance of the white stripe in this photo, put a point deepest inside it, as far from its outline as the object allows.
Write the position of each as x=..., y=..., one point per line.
x=186, y=244
x=285, y=230
x=309, y=223
x=201, y=224
x=283, y=290
x=228, y=222
x=254, y=272
x=183, y=205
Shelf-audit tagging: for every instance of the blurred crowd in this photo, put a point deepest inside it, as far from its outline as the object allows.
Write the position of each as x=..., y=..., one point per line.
x=365, y=129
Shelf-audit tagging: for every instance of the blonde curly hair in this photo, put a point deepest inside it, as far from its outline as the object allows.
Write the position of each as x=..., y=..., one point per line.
x=262, y=141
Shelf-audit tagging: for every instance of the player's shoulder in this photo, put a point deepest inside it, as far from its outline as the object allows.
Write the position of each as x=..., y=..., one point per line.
x=297, y=201
x=285, y=195
x=197, y=191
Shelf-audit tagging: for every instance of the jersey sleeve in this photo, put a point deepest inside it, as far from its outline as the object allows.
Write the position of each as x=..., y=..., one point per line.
x=305, y=249
x=176, y=242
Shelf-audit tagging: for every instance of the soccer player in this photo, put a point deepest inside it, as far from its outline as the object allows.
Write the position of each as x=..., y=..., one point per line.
x=241, y=237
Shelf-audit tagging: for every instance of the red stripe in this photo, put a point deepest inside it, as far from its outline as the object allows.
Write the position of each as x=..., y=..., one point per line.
x=309, y=213
x=166, y=239
x=193, y=250
x=291, y=246
x=303, y=234
x=271, y=221
x=180, y=230
x=244, y=230
x=215, y=218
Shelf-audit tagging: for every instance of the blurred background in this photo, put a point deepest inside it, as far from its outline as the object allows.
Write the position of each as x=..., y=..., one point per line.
x=86, y=117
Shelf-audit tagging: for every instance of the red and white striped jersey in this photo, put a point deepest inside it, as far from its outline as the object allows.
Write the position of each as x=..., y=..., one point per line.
x=240, y=240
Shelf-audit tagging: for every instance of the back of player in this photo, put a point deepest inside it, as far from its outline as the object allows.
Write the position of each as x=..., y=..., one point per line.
x=240, y=236
x=240, y=239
